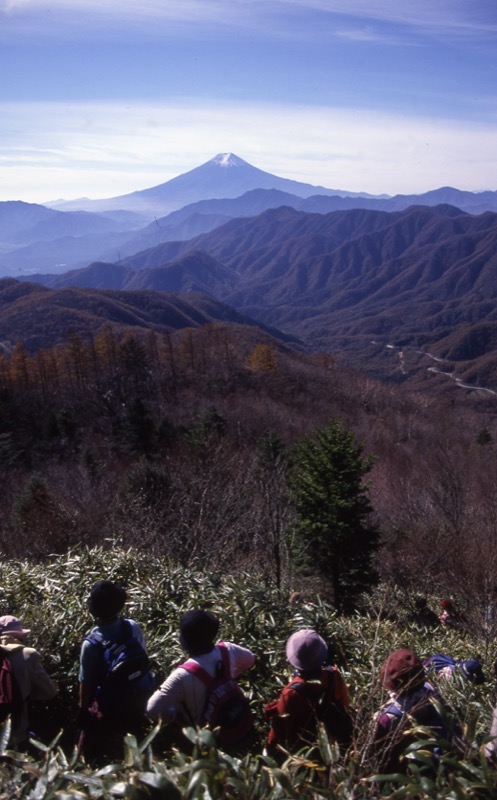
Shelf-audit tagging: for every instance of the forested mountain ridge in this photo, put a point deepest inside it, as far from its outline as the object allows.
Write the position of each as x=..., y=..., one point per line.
x=39, y=317
x=351, y=283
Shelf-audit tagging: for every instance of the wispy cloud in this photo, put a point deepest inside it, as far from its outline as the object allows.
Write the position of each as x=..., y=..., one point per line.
x=108, y=18
x=321, y=56
x=444, y=16
x=102, y=150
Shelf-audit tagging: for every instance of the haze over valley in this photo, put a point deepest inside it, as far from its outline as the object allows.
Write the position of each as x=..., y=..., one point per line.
x=385, y=284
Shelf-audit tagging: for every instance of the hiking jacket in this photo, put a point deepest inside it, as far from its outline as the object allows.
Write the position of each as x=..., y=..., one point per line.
x=34, y=684
x=302, y=703
x=183, y=696
x=395, y=717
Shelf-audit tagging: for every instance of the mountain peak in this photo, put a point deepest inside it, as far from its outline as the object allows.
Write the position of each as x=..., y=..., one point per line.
x=224, y=176
x=228, y=160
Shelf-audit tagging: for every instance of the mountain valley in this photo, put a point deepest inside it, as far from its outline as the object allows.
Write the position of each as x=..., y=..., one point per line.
x=387, y=288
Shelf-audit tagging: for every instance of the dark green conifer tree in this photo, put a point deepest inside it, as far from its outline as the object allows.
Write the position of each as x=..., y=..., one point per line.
x=334, y=538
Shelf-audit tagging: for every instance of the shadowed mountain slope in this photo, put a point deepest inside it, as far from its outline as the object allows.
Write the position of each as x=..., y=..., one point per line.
x=40, y=317
x=356, y=283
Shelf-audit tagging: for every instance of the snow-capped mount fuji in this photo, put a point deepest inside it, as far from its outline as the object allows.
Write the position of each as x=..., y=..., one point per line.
x=228, y=160
x=224, y=176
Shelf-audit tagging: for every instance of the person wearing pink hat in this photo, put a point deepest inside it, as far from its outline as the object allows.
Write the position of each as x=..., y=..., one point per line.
x=316, y=693
x=32, y=680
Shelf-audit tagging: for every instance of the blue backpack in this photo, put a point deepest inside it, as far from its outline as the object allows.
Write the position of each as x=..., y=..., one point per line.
x=424, y=712
x=439, y=661
x=127, y=680
x=471, y=669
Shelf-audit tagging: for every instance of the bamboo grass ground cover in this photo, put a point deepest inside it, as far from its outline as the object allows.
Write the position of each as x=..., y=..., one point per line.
x=50, y=598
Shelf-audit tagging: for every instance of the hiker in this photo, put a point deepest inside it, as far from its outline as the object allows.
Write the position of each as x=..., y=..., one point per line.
x=316, y=693
x=189, y=696
x=410, y=704
x=450, y=616
x=446, y=667
x=423, y=614
x=110, y=703
x=31, y=683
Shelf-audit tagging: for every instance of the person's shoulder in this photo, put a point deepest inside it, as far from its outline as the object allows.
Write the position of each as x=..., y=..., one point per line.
x=330, y=670
x=240, y=658
x=178, y=675
x=136, y=630
x=296, y=685
x=298, y=692
x=226, y=645
x=134, y=624
x=331, y=676
x=92, y=638
x=16, y=654
x=30, y=652
x=92, y=631
x=233, y=646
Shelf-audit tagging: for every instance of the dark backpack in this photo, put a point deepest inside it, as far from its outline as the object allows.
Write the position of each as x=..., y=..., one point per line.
x=10, y=694
x=127, y=680
x=424, y=712
x=227, y=710
x=426, y=715
x=334, y=716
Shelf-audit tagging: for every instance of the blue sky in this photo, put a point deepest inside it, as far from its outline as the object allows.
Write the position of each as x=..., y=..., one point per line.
x=103, y=97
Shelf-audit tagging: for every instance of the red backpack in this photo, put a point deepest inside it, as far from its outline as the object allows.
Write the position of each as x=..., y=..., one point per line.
x=227, y=710
x=321, y=700
x=10, y=695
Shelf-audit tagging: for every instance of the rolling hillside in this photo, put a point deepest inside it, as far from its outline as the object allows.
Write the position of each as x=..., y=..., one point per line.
x=40, y=317
x=359, y=284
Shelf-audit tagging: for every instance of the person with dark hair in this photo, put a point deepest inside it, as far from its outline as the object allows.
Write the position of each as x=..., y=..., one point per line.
x=316, y=693
x=32, y=682
x=184, y=697
x=411, y=703
x=423, y=614
x=102, y=729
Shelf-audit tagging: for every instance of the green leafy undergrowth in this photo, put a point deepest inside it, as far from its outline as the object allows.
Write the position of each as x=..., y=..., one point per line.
x=50, y=598
x=209, y=774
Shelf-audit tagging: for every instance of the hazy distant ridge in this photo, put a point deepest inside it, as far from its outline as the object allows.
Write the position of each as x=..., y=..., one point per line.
x=36, y=239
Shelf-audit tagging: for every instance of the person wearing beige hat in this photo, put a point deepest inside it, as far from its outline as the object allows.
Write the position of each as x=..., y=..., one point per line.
x=33, y=681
